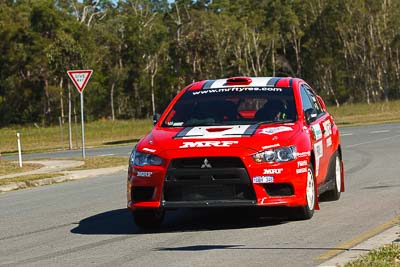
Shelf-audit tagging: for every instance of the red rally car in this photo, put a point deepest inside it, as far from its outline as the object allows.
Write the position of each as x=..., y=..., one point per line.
x=241, y=141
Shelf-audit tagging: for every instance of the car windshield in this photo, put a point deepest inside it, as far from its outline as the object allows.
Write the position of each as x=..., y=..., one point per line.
x=233, y=106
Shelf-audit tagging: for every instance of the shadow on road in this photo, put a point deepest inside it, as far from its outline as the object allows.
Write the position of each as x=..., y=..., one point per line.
x=120, y=221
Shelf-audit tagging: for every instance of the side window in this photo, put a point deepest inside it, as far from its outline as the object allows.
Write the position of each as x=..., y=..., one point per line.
x=314, y=100
x=305, y=99
x=310, y=100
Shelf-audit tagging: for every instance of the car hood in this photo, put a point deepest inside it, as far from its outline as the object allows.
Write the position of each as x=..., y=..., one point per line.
x=221, y=139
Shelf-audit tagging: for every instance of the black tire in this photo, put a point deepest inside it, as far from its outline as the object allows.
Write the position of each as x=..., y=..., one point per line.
x=148, y=218
x=306, y=212
x=336, y=174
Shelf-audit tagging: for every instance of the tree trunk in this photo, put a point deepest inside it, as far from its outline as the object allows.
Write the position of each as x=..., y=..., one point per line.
x=273, y=57
x=46, y=91
x=112, y=101
x=153, y=104
x=61, y=100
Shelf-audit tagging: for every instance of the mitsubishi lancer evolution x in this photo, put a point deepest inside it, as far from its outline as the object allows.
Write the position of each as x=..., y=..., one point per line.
x=241, y=141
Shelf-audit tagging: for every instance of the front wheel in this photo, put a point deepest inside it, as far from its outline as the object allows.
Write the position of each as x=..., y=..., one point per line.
x=307, y=211
x=334, y=194
x=148, y=218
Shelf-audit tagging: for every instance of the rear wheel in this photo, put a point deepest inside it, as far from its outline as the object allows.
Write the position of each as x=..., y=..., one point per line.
x=307, y=211
x=334, y=194
x=148, y=218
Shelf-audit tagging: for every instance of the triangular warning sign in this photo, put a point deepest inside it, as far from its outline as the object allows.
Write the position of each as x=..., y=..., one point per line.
x=80, y=78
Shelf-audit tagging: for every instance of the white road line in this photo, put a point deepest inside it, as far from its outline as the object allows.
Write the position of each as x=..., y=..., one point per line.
x=374, y=141
x=382, y=131
x=346, y=134
x=105, y=155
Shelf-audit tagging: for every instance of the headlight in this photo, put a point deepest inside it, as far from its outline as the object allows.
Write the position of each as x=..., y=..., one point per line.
x=144, y=159
x=282, y=154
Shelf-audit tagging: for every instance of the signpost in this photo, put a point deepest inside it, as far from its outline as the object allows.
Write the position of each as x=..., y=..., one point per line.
x=80, y=79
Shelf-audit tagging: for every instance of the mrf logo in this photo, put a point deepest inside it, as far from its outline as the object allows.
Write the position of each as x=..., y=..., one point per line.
x=273, y=171
x=208, y=144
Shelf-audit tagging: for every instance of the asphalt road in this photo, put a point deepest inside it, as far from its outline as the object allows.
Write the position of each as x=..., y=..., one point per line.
x=85, y=222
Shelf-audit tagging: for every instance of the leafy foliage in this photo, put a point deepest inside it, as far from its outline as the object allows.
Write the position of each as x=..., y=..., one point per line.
x=143, y=51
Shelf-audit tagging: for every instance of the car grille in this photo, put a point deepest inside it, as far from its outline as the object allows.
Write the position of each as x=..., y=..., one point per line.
x=217, y=181
x=215, y=162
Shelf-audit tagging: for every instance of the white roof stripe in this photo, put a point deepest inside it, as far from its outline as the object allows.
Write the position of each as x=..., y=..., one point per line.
x=256, y=81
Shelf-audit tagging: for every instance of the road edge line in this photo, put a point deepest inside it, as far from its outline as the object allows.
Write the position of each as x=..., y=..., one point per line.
x=347, y=245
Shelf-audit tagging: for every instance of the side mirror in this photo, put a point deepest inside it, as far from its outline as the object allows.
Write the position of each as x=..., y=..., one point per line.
x=310, y=115
x=156, y=117
x=321, y=102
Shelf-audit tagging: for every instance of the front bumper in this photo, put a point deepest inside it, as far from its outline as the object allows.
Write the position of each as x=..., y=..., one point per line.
x=227, y=186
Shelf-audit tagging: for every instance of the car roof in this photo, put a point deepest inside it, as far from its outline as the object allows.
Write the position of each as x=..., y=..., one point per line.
x=242, y=81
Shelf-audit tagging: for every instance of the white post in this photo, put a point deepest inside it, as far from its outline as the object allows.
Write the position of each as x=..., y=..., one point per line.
x=19, y=150
x=83, y=128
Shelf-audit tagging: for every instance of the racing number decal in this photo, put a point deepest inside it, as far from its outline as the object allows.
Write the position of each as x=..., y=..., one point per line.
x=319, y=152
x=316, y=129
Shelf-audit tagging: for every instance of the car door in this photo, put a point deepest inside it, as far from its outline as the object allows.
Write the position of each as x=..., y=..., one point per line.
x=317, y=127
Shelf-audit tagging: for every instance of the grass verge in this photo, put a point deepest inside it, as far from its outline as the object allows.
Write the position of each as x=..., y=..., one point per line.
x=29, y=179
x=90, y=163
x=101, y=162
x=387, y=256
x=361, y=114
x=8, y=167
x=98, y=133
x=105, y=132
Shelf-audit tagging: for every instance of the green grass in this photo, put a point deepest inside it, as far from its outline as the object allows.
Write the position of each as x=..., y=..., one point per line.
x=98, y=133
x=387, y=256
x=358, y=114
x=106, y=132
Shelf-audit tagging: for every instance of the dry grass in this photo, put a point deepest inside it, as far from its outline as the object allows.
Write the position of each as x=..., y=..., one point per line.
x=358, y=114
x=98, y=133
x=27, y=179
x=387, y=256
x=8, y=167
x=101, y=162
x=106, y=132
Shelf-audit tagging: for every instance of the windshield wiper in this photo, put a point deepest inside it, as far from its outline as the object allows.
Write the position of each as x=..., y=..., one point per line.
x=274, y=121
x=200, y=124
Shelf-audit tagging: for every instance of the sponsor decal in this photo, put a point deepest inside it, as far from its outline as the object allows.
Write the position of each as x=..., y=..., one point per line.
x=216, y=132
x=303, y=154
x=237, y=89
x=208, y=144
x=316, y=129
x=149, y=150
x=263, y=179
x=273, y=171
x=318, y=148
x=271, y=146
x=328, y=141
x=275, y=130
x=144, y=174
x=301, y=170
x=176, y=124
x=302, y=163
x=327, y=127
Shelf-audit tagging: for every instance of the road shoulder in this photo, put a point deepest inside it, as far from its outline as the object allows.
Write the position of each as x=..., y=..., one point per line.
x=391, y=235
x=56, y=166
